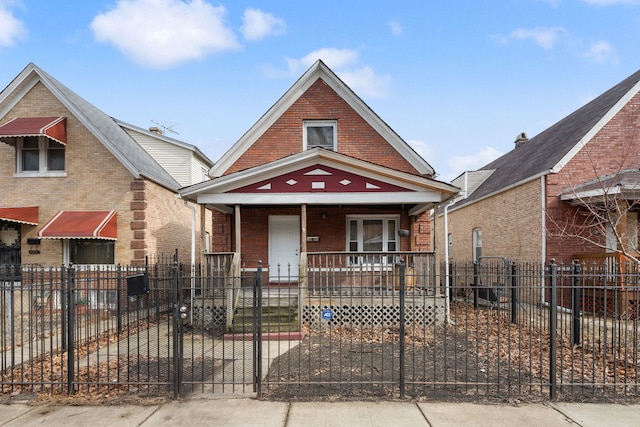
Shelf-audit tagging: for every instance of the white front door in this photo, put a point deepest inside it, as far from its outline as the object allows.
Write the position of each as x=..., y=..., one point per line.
x=284, y=248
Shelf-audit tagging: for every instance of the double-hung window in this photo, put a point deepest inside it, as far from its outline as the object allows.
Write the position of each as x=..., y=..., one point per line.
x=320, y=133
x=39, y=155
x=376, y=234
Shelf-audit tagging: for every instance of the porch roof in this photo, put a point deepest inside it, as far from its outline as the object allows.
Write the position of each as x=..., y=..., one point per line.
x=319, y=176
x=621, y=185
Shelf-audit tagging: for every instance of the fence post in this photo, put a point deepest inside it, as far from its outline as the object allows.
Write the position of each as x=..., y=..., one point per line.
x=402, y=339
x=514, y=293
x=63, y=306
x=257, y=331
x=177, y=336
x=119, y=301
x=476, y=283
x=575, y=301
x=70, y=327
x=553, y=323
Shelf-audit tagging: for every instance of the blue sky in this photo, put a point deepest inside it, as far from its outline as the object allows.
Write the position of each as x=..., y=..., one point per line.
x=458, y=80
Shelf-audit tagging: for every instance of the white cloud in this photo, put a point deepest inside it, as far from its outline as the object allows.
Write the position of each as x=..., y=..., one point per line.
x=164, y=33
x=334, y=58
x=470, y=162
x=601, y=51
x=362, y=79
x=425, y=150
x=396, y=28
x=546, y=37
x=11, y=28
x=258, y=24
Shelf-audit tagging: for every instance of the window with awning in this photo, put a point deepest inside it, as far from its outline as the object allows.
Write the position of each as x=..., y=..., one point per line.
x=40, y=144
x=52, y=127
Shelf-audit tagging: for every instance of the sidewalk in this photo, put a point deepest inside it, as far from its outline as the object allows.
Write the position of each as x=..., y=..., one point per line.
x=245, y=412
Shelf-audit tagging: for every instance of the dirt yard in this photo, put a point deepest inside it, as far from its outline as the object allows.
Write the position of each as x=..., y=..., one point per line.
x=482, y=358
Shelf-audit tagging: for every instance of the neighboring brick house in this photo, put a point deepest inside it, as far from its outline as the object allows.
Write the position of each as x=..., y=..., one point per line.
x=530, y=204
x=320, y=171
x=79, y=186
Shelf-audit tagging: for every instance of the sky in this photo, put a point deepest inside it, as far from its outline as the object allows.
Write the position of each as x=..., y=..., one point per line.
x=458, y=80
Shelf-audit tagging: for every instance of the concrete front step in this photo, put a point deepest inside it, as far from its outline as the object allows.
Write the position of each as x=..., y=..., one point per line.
x=270, y=297
x=266, y=327
x=279, y=311
x=269, y=336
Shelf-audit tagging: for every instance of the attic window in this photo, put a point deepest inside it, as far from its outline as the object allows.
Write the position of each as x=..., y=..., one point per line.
x=323, y=134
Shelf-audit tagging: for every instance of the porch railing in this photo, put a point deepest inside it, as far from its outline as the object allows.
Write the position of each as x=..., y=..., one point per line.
x=609, y=279
x=373, y=273
x=223, y=270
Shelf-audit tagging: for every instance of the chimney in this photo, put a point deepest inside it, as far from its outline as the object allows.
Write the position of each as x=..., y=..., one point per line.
x=522, y=137
x=155, y=129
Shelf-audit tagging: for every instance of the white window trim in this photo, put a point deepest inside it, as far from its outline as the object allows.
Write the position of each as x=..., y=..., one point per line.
x=476, y=242
x=318, y=123
x=385, y=237
x=42, y=161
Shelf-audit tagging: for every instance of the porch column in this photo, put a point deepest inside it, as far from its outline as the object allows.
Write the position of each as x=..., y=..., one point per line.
x=203, y=233
x=303, y=228
x=238, y=229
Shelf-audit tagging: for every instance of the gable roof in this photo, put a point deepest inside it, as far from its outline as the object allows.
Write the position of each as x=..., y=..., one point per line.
x=551, y=149
x=106, y=130
x=320, y=71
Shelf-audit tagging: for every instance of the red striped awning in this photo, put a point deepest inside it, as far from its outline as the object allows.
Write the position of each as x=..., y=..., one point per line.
x=23, y=215
x=52, y=127
x=81, y=225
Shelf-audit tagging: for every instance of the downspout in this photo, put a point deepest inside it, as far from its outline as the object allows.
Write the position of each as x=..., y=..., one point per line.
x=446, y=251
x=447, y=305
x=543, y=227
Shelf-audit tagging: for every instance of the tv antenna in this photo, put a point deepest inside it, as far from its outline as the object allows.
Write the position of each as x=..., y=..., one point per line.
x=166, y=128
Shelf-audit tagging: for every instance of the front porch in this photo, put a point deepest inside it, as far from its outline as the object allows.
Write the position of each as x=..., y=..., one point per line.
x=610, y=283
x=325, y=289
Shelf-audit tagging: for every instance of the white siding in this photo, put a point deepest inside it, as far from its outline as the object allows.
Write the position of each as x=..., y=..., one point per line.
x=180, y=162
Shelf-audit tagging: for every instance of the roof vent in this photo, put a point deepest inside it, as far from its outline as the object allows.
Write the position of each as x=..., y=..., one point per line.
x=522, y=137
x=155, y=129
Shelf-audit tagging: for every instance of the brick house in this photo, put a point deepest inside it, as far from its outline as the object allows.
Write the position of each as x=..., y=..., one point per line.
x=531, y=203
x=318, y=172
x=79, y=186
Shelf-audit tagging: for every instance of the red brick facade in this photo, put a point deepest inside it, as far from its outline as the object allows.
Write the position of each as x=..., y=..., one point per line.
x=356, y=137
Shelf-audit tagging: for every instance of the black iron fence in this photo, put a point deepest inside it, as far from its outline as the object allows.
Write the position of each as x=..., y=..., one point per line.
x=494, y=329
x=491, y=330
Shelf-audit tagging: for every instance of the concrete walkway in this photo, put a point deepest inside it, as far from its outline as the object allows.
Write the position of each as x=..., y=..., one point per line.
x=230, y=412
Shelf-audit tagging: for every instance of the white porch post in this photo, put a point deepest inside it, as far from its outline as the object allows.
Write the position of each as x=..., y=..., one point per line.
x=303, y=228
x=238, y=229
